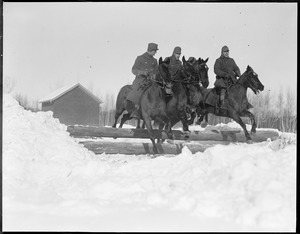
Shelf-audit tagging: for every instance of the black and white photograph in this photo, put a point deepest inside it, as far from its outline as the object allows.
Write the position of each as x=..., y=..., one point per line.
x=149, y=116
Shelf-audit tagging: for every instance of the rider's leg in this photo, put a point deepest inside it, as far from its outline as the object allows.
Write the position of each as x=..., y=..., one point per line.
x=222, y=96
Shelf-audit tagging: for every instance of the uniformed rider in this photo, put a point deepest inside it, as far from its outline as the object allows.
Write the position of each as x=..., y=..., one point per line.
x=226, y=72
x=175, y=63
x=144, y=67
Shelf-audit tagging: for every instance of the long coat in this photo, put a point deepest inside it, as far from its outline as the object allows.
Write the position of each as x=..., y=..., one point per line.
x=144, y=66
x=225, y=66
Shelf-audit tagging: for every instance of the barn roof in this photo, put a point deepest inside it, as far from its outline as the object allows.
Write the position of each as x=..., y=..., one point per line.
x=63, y=90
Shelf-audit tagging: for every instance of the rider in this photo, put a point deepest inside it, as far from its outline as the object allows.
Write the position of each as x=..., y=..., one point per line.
x=175, y=63
x=226, y=72
x=144, y=66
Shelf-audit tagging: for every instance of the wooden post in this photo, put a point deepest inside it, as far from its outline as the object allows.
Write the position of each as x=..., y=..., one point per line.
x=111, y=147
x=212, y=134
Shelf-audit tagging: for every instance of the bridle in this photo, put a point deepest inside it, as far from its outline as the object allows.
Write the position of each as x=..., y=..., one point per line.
x=161, y=83
x=202, y=80
x=247, y=83
x=188, y=79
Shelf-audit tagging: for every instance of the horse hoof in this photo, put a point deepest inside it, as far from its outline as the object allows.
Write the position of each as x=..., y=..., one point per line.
x=249, y=141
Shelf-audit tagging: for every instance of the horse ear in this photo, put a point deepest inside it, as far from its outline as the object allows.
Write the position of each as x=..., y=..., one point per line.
x=183, y=59
x=160, y=60
x=206, y=60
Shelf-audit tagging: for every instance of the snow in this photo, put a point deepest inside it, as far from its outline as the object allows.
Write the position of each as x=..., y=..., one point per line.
x=52, y=183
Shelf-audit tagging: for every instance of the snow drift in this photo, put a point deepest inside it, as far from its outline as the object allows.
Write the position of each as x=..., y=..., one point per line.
x=50, y=182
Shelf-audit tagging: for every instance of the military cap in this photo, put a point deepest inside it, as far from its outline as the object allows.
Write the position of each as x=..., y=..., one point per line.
x=177, y=50
x=152, y=46
x=225, y=48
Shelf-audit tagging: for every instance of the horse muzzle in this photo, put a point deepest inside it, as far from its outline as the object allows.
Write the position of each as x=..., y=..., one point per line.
x=168, y=88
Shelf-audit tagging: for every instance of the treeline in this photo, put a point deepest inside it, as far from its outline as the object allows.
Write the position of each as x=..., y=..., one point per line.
x=272, y=110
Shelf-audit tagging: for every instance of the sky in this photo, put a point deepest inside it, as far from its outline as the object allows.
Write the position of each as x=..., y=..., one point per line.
x=52, y=183
x=50, y=45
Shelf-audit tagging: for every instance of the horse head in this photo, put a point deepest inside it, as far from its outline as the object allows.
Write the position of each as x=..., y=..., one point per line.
x=250, y=79
x=189, y=73
x=164, y=73
x=202, y=70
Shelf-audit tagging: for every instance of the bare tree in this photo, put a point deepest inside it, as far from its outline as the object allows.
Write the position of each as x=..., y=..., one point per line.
x=289, y=111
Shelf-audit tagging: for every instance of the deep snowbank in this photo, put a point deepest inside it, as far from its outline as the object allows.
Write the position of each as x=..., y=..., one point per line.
x=59, y=185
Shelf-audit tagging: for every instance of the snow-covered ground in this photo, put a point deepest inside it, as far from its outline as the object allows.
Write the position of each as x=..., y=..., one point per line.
x=52, y=183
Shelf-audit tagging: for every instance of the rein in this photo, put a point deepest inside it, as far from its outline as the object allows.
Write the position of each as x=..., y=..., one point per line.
x=186, y=80
x=162, y=83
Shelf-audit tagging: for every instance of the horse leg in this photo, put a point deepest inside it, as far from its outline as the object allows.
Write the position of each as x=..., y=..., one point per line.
x=168, y=127
x=143, y=125
x=138, y=123
x=117, y=115
x=124, y=119
x=205, y=122
x=147, y=121
x=193, y=116
x=203, y=113
x=160, y=127
x=252, y=119
x=183, y=118
x=235, y=116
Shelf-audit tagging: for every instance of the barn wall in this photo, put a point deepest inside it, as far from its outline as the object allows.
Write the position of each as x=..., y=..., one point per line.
x=76, y=107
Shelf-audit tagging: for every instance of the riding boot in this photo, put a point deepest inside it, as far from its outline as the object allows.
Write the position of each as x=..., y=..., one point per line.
x=135, y=113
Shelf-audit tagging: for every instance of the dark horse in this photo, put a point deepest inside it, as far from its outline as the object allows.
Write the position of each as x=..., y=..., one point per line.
x=152, y=102
x=185, y=91
x=121, y=107
x=177, y=102
x=202, y=70
x=236, y=101
x=194, y=86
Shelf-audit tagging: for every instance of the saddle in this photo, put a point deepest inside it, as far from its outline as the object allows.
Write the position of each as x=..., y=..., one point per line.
x=212, y=97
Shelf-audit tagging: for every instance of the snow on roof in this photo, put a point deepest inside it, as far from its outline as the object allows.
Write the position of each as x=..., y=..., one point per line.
x=63, y=90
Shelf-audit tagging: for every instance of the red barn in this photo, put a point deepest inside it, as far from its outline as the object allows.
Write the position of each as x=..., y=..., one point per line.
x=73, y=105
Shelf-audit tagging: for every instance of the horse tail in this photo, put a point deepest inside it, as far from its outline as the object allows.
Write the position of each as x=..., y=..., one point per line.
x=122, y=96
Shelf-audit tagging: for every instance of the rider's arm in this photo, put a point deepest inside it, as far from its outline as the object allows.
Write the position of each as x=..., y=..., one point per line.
x=236, y=69
x=137, y=68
